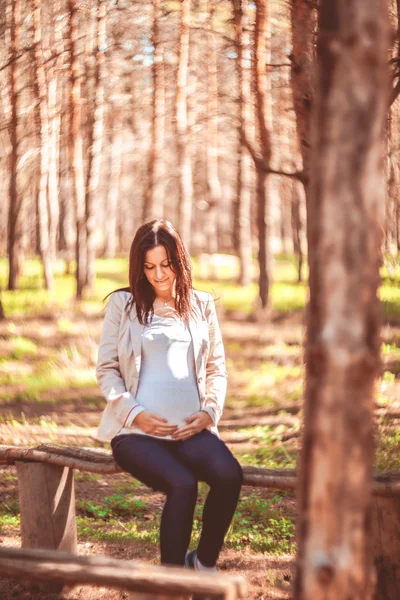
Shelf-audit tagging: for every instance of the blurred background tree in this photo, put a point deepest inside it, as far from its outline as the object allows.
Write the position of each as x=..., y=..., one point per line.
x=118, y=112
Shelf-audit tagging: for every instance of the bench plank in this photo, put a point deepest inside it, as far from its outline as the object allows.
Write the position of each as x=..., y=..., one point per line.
x=102, y=462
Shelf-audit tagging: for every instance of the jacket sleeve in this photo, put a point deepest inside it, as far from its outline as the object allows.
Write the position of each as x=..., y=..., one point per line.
x=216, y=375
x=108, y=373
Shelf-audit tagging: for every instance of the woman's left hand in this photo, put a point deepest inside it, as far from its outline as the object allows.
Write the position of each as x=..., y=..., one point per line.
x=195, y=423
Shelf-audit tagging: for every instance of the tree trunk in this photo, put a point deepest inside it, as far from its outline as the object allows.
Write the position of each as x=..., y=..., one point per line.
x=262, y=107
x=110, y=248
x=95, y=145
x=242, y=203
x=345, y=220
x=76, y=151
x=153, y=204
x=14, y=226
x=296, y=228
x=213, y=182
x=304, y=22
x=41, y=94
x=184, y=162
x=55, y=122
x=67, y=229
x=386, y=546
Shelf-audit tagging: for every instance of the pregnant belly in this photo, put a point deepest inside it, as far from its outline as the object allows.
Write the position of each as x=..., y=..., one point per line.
x=173, y=401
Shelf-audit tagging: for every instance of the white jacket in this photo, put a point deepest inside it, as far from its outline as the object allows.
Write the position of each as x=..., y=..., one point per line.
x=119, y=358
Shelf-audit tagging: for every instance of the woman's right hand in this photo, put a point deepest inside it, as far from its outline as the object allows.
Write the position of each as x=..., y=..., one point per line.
x=152, y=423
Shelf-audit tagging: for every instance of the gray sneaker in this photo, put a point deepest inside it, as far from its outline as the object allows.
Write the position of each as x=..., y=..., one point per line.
x=190, y=559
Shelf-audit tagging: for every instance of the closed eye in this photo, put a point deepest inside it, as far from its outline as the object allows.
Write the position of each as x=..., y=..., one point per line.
x=150, y=268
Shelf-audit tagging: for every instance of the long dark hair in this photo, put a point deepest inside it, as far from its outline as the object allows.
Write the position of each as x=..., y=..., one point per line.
x=158, y=232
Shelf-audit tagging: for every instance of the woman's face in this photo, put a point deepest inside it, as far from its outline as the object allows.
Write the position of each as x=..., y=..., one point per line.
x=157, y=269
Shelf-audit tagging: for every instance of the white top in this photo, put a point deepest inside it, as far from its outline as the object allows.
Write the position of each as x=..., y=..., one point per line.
x=167, y=383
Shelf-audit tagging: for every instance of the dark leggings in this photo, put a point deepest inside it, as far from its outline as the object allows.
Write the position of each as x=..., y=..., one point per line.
x=175, y=467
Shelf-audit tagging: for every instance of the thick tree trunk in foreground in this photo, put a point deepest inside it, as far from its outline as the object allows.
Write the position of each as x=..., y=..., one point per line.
x=345, y=219
x=184, y=162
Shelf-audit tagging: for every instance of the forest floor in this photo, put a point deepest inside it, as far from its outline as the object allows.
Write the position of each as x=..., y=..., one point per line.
x=49, y=394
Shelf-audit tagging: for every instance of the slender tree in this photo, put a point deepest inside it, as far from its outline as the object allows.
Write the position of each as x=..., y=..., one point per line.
x=262, y=108
x=14, y=226
x=76, y=150
x=184, y=162
x=114, y=184
x=41, y=93
x=153, y=205
x=345, y=220
x=304, y=23
x=95, y=144
x=54, y=103
x=242, y=202
x=213, y=181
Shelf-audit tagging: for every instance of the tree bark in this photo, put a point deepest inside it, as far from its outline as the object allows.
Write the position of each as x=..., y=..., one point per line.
x=262, y=102
x=242, y=203
x=55, y=104
x=213, y=181
x=76, y=151
x=95, y=145
x=14, y=226
x=41, y=94
x=345, y=219
x=110, y=248
x=184, y=162
x=153, y=206
x=296, y=228
x=304, y=24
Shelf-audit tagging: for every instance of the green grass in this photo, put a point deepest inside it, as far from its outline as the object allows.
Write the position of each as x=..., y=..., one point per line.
x=22, y=347
x=259, y=525
x=286, y=294
x=387, y=453
x=31, y=299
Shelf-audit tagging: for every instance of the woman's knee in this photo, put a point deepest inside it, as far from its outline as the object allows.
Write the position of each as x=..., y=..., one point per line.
x=228, y=473
x=182, y=484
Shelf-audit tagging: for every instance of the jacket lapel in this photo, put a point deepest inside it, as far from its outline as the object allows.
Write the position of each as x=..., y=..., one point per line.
x=194, y=332
x=136, y=330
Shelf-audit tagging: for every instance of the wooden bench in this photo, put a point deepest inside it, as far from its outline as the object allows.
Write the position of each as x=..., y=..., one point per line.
x=143, y=581
x=47, y=501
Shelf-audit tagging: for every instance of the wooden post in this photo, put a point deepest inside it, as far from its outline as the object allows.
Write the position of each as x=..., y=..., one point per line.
x=47, y=507
x=386, y=545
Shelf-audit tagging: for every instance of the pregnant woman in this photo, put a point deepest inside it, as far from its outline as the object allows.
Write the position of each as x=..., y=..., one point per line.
x=161, y=368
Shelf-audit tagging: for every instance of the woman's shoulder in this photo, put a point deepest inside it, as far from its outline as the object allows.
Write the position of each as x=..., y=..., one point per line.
x=121, y=298
x=201, y=296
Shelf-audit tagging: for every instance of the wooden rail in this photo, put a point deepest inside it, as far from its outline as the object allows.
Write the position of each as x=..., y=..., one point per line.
x=152, y=581
x=102, y=462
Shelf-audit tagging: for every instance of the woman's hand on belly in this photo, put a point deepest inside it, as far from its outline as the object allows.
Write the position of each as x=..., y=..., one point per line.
x=195, y=423
x=150, y=422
